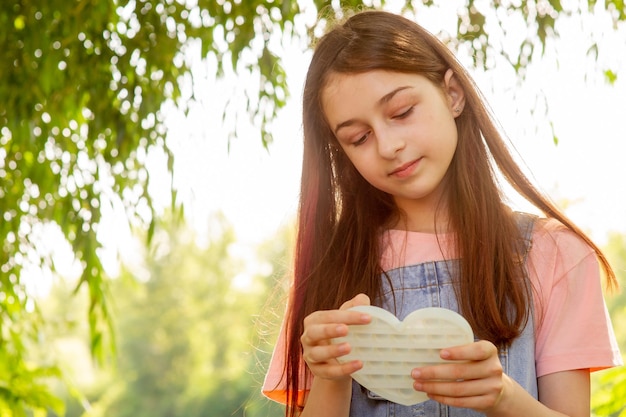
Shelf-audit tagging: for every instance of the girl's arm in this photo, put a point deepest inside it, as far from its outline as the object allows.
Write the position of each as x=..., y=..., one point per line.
x=328, y=397
x=567, y=392
x=560, y=394
x=481, y=385
x=331, y=389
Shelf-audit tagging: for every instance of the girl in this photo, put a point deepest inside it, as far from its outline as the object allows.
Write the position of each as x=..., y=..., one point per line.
x=400, y=207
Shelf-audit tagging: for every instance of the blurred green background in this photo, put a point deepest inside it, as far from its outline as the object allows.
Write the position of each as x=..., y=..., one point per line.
x=191, y=342
x=147, y=195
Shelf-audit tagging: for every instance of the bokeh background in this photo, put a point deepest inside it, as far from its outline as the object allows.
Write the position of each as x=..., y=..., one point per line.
x=150, y=156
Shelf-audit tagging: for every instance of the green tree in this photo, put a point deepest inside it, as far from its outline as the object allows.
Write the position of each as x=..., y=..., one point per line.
x=172, y=338
x=83, y=88
x=186, y=334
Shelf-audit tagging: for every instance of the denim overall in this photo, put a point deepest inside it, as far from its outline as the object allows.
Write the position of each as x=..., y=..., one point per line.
x=430, y=285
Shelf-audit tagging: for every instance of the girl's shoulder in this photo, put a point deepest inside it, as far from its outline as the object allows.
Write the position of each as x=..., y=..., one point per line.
x=572, y=327
x=556, y=250
x=552, y=236
x=551, y=242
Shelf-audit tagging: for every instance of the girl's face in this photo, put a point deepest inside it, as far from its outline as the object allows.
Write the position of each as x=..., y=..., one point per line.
x=398, y=130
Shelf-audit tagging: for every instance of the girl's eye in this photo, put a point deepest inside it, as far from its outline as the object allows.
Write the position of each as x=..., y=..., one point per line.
x=404, y=114
x=361, y=140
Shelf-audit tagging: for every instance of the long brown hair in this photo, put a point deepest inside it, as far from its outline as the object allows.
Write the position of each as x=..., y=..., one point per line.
x=341, y=216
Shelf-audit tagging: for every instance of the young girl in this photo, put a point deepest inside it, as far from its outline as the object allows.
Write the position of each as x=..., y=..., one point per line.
x=400, y=207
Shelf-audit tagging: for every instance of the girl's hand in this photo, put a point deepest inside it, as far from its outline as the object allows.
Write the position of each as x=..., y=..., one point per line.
x=478, y=383
x=321, y=326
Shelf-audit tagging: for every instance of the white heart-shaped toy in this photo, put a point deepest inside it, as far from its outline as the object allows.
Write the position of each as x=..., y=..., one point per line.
x=390, y=348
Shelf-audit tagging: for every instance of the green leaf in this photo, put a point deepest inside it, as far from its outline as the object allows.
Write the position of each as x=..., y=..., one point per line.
x=610, y=76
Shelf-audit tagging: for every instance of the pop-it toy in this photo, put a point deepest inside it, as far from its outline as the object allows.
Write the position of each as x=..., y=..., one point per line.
x=390, y=348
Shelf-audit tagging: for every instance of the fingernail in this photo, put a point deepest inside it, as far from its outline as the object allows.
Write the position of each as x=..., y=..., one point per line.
x=365, y=317
x=445, y=354
x=418, y=386
x=415, y=374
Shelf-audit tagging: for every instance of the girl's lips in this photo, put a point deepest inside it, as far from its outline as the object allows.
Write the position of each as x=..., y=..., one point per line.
x=405, y=170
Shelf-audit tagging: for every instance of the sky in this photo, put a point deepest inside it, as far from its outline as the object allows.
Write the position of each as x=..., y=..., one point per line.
x=257, y=189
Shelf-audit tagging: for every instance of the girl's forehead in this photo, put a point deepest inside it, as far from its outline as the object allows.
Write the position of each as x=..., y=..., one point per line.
x=371, y=84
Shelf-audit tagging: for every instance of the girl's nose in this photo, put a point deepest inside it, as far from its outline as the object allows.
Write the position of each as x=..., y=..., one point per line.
x=389, y=144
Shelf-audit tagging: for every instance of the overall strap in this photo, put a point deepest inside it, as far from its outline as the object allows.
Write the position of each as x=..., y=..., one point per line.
x=525, y=224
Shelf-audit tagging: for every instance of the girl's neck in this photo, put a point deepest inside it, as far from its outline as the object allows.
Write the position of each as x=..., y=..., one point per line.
x=430, y=228
x=414, y=216
x=421, y=222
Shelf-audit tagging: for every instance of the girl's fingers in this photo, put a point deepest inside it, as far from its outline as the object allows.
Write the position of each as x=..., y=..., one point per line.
x=479, y=394
x=476, y=383
x=322, y=360
x=482, y=402
x=319, y=353
x=475, y=361
x=348, y=368
x=326, y=326
x=315, y=334
x=477, y=351
x=358, y=300
x=325, y=353
x=336, y=317
x=465, y=371
x=321, y=326
x=337, y=370
x=459, y=389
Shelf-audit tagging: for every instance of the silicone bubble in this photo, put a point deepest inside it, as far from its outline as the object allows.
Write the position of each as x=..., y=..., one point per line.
x=390, y=348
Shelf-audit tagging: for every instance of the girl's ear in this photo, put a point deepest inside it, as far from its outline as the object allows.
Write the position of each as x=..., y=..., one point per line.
x=455, y=93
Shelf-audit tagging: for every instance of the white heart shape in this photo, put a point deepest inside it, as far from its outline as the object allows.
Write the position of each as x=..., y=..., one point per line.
x=390, y=348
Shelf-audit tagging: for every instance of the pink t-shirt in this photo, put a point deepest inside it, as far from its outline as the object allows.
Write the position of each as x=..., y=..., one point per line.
x=572, y=325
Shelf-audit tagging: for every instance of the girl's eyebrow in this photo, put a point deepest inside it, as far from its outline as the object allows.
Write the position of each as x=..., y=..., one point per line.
x=383, y=100
x=387, y=97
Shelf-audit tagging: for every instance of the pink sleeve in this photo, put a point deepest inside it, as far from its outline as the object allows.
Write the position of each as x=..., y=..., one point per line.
x=275, y=384
x=573, y=328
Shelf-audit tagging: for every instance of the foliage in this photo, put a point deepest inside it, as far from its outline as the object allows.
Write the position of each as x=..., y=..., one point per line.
x=186, y=334
x=608, y=397
x=539, y=17
x=82, y=92
x=175, y=353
